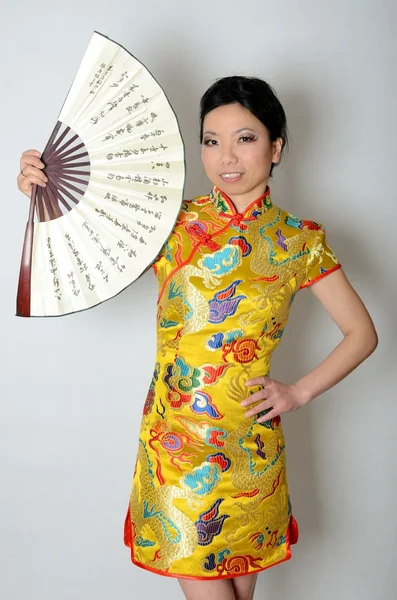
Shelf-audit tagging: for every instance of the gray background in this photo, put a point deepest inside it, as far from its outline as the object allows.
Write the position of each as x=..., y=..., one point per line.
x=72, y=388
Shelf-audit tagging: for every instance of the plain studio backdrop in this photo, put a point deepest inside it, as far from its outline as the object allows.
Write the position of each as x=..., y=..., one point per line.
x=73, y=388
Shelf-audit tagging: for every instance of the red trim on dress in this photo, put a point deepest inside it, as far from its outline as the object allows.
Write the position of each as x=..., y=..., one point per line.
x=320, y=276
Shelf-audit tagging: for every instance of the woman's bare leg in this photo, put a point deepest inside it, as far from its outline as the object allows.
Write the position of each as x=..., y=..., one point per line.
x=244, y=586
x=197, y=589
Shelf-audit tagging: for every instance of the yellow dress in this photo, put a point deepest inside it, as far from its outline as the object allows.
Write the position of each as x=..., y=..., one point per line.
x=209, y=496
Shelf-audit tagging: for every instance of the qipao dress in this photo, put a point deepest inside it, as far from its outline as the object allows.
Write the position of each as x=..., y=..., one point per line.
x=209, y=496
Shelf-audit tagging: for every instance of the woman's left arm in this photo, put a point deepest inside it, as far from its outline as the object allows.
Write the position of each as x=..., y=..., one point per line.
x=360, y=339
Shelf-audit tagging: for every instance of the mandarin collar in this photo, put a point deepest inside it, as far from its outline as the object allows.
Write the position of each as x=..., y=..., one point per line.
x=225, y=206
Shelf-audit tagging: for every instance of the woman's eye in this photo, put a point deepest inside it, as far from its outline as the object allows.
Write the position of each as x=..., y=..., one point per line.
x=246, y=138
x=209, y=142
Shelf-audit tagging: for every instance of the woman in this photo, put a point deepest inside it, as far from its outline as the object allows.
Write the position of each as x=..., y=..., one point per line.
x=209, y=502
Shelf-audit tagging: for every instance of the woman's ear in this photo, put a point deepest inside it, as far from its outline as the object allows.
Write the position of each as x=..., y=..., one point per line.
x=277, y=148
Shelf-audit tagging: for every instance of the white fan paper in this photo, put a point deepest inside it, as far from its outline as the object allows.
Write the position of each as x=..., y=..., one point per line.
x=116, y=169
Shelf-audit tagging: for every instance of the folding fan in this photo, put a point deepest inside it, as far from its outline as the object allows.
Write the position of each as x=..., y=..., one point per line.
x=116, y=168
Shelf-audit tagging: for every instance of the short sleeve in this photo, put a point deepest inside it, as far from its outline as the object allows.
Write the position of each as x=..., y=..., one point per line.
x=321, y=260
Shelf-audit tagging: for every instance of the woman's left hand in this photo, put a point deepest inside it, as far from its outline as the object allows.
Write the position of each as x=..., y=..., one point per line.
x=279, y=397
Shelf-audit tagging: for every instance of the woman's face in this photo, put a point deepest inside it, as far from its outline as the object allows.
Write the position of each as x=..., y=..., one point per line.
x=237, y=153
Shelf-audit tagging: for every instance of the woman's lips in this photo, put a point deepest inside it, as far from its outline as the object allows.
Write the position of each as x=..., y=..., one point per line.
x=231, y=177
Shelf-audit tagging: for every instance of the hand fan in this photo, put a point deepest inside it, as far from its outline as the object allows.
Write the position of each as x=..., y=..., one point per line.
x=116, y=169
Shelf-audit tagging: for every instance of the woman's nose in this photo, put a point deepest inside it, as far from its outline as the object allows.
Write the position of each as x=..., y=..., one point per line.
x=228, y=156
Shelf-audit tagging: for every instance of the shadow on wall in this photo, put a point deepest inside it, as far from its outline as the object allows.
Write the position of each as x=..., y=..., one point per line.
x=310, y=329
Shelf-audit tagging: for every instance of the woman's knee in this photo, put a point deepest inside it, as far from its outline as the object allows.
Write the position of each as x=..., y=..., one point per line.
x=197, y=589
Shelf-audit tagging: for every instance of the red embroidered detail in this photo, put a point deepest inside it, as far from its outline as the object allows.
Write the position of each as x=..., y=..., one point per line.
x=275, y=422
x=177, y=399
x=254, y=492
x=178, y=335
x=148, y=402
x=213, y=438
x=238, y=565
x=273, y=539
x=275, y=483
x=271, y=279
x=312, y=225
x=274, y=330
x=220, y=459
x=244, y=351
x=202, y=236
x=178, y=254
x=173, y=443
x=242, y=243
x=212, y=374
x=159, y=474
x=257, y=539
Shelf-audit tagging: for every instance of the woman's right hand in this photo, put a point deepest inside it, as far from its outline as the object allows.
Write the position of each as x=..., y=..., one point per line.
x=31, y=172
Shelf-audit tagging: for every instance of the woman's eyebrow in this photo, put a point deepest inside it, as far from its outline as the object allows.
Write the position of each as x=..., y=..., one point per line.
x=237, y=131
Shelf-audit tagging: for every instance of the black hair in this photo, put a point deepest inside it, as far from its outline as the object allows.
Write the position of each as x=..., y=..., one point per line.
x=254, y=94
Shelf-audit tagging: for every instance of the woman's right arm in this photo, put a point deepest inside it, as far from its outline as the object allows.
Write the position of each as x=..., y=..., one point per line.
x=31, y=172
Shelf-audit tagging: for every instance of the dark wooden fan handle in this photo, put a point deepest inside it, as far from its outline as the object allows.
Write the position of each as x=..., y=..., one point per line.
x=23, y=294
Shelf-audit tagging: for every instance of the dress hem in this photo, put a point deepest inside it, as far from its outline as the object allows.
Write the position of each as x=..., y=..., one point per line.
x=209, y=578
x=292, y=537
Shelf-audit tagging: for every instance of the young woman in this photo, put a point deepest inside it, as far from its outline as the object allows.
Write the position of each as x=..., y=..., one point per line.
x=209, y=502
